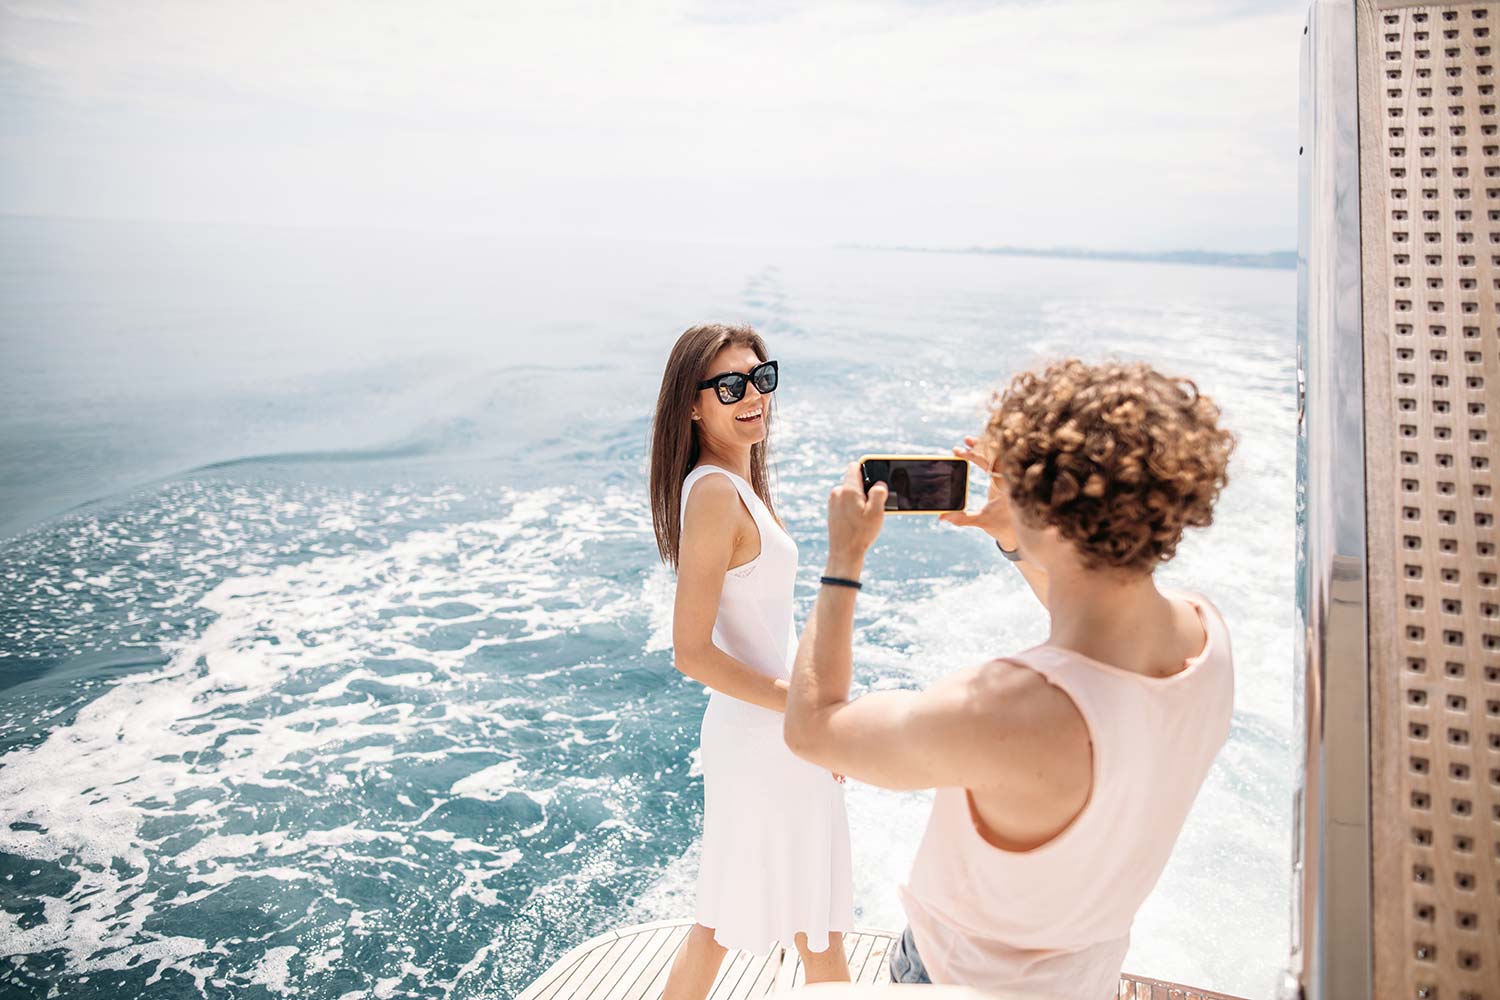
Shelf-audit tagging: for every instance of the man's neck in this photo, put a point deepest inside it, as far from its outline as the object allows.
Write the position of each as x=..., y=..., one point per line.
x=1105, y=615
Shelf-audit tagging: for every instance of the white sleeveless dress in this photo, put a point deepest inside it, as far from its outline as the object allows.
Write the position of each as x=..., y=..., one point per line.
x=775, y=834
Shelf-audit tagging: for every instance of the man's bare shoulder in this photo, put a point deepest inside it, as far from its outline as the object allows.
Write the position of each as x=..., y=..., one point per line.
x=1001, y=683
x=1193, y=596
x=1010, y=705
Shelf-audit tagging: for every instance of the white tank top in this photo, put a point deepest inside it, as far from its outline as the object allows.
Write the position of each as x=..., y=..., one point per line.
x=755, y=622
x=1057, y=919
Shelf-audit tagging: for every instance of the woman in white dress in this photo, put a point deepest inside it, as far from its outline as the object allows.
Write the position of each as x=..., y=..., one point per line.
x=775, y=868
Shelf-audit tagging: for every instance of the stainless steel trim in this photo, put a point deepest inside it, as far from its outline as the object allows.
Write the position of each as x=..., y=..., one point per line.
x=1331, y=955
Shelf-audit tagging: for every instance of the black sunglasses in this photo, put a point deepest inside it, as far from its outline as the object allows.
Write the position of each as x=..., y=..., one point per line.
x=730, y=386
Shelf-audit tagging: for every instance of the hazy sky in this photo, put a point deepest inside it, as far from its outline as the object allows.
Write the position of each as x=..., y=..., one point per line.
x=1097, y=123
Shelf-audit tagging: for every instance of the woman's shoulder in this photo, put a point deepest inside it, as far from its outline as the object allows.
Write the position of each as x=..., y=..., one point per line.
x=718, y=480
x=708, y=470
x=710, y=494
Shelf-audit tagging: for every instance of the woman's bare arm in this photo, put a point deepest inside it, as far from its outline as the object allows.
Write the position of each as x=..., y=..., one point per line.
x=708, y=536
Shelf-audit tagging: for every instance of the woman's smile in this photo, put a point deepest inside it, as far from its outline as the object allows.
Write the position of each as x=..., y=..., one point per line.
x=749, y=416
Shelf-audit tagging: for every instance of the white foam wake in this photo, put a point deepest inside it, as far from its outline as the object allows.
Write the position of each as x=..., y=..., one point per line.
x=269, y=696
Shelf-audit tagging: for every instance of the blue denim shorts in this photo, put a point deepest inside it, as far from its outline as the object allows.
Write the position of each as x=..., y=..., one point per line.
x=906, y=964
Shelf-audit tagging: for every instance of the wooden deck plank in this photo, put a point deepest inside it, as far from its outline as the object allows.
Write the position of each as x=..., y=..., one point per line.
x=765, y=981
x=730, y=974
x=654, y=972
x=547, y=983
x=585, y=965
x=760, y=976
x=642, y=947
x=654, y=940
x=632, y=963
x=653, y=986
x=1133, y=987
x=883, y=970
x=606, y=971
x=859, y=955
x=876, y=960
x=789, y=963
x=724, y=967
x=752, y=983
x=569, y=967
x=658, y=981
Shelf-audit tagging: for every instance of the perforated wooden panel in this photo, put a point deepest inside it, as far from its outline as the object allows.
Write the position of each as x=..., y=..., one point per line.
x=1428, y=96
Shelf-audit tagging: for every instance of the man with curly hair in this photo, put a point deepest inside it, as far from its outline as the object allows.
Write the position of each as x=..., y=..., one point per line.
x=1064, y=772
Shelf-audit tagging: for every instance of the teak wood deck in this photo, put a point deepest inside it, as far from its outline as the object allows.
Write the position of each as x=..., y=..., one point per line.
x=632, y=963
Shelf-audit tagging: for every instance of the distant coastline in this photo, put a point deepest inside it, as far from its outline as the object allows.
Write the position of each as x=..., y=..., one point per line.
x=1281, y=260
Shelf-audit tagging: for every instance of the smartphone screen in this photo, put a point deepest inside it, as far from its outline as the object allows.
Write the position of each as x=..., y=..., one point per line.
x=919, y=484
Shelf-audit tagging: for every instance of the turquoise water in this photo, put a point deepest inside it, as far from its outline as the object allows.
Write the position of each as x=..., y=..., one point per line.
x=333, y=647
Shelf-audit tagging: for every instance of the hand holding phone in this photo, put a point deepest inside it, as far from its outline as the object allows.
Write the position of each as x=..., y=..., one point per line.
x=970, y=451
x=855, y=516
x=918, y=484
x=995, y=518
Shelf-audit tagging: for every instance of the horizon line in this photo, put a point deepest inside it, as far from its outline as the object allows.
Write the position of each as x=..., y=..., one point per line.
x=1272, y=260
x=1261, y=260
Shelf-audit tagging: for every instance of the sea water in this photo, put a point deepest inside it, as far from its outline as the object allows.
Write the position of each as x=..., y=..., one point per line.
x=334, y=648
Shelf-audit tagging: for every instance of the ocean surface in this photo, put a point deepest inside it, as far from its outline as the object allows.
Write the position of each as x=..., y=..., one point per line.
x=334, y=649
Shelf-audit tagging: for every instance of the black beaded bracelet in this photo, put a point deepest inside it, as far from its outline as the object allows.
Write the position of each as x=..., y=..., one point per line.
x=1014, y=555
x=839, y=581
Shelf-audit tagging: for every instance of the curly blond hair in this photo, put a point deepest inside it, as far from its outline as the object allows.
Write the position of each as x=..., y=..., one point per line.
x=1118, y=457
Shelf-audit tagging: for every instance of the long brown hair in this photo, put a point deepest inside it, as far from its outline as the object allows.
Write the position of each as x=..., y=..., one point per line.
x=674, y=435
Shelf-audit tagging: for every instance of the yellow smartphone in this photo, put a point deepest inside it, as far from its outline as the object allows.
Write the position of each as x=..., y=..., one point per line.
x=918, y=484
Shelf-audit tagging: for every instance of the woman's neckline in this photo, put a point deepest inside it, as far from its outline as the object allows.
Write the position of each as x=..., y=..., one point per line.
x=719, y=468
